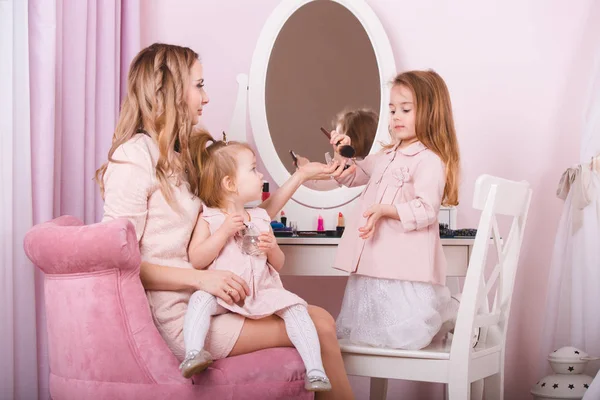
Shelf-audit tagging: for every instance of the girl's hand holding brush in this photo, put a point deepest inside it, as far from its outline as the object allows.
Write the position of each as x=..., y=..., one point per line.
x=339, y=139
x=340, y=142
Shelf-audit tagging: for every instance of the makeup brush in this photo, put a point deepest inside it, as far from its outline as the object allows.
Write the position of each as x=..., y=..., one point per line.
x=345, y=150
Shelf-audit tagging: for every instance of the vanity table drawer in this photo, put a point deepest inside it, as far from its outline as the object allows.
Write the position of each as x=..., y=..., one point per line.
x=310, y=260
x=315, y=256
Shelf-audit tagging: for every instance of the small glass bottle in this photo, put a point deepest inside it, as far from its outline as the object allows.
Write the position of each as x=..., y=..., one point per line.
x=250, y=241
x=294, y=228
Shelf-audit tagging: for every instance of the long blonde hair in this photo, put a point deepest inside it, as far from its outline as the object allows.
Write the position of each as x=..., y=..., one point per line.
x=434, y=124
x=215, y=161
x=156, y=105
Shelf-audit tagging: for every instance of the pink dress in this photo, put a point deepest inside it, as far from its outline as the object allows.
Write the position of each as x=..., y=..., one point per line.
x=267, y=295
x=132, y=191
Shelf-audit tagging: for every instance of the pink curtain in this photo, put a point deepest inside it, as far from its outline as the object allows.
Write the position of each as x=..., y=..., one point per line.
x=79, y=54
x=18, y=377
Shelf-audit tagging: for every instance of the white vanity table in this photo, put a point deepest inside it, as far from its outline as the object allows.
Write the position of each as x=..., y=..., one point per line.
x=306, y=256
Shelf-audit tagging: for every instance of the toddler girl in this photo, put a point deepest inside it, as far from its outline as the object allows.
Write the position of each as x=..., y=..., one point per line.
x=229, y=180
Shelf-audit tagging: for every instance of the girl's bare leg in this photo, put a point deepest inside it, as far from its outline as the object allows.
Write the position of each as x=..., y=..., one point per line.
x=270, y=332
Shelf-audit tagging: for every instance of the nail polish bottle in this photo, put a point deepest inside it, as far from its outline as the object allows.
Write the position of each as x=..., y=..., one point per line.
x=320, y=226
x=265, y=192
x=283, y=218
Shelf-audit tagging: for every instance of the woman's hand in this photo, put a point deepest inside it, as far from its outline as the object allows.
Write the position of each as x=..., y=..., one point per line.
x=267, y=242
x=373, y=214
x=225, y=285
x=232, y=225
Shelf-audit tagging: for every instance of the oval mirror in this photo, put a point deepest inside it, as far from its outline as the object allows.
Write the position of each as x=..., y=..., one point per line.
x=314, y=60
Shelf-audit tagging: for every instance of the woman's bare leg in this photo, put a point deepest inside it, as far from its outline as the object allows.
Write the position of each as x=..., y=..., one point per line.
x=270, y=332
x=259, y=334
x=332, y=356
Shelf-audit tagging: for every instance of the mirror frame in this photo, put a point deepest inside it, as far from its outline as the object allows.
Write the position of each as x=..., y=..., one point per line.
x=257, y=100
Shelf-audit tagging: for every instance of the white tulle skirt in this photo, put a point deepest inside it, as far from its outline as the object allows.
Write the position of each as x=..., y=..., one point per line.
x=392, y=313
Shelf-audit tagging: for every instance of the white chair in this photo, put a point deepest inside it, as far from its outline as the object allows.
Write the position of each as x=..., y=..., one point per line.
x=455, y=362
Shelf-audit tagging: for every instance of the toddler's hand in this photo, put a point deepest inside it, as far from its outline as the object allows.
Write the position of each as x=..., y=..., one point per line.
x=302, y=161
x=316, y=170
x=233, y=224
x=267, y=242
x=373, y=214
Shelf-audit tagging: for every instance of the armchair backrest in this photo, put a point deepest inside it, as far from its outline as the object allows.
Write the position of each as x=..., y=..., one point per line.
x=99, y=323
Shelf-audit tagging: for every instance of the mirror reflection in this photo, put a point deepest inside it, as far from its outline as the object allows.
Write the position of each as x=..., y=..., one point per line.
x=361, y=127
x=322, y=73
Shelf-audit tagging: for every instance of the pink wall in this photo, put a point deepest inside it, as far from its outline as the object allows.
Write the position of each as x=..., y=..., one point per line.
x=517, y=72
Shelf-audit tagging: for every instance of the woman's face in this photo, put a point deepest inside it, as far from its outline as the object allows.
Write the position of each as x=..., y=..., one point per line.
x=196, y=96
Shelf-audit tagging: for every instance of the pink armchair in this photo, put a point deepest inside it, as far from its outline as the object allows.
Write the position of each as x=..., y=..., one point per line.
x=102, y=341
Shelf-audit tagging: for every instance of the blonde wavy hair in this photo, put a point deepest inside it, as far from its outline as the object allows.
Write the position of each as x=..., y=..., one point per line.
x=156, y=105
x=217, y=159
x=434, y=124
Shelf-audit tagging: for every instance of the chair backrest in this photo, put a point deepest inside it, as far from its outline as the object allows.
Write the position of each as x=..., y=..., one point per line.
x=486, y=297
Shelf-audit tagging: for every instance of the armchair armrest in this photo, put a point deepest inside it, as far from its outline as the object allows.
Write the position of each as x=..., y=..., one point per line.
x=65, y=246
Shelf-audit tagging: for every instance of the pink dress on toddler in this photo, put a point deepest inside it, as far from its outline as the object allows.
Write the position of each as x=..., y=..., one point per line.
x=267, y=297
x=267, y=294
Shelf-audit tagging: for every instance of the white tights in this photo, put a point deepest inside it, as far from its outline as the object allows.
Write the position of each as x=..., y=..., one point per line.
x=298, y=324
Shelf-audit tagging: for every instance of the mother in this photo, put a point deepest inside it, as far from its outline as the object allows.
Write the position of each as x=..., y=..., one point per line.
x=149, y=179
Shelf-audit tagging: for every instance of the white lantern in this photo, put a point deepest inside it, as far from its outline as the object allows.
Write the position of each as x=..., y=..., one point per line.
x=568, y=381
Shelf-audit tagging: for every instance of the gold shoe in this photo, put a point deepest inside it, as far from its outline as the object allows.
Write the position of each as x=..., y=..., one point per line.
x=195, y=362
